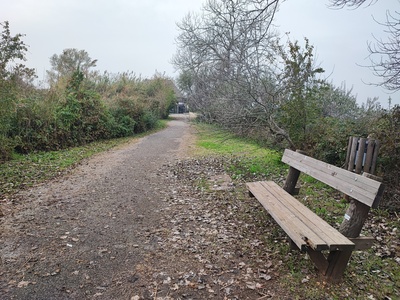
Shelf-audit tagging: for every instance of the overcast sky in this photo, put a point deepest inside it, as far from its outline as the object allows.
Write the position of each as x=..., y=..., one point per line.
x=138, y=35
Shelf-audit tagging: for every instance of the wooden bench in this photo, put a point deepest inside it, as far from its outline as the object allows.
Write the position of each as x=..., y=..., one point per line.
x=304, y=228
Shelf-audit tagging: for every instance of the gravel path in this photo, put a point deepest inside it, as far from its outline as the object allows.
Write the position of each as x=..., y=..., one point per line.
x=132, y=223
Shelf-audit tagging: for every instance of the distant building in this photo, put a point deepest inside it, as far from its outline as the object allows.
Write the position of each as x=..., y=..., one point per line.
x=179, y=108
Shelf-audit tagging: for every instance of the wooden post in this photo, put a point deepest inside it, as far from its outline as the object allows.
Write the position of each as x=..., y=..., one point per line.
x=356, y=215
x=346, y=164
x=374, y=158
x=369, y=156
x=362, y=154
x=354, y=219
x=351, y=154
x=291, y=180
x=337, y=265
x=292, y=177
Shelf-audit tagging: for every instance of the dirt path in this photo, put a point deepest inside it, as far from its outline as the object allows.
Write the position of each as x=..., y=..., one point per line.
x=129, y=224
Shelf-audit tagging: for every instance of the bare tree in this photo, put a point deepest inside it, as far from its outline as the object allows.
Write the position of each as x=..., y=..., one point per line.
x=227, y=61
x=236, y=73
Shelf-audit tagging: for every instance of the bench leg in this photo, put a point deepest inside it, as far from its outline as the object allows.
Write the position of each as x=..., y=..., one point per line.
x=337, y=264
x=292, y=245
x=333, y=267
x=319, y=260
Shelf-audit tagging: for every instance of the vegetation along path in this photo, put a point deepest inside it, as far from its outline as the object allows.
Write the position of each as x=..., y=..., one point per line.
x=149, y=220
x=93, y=232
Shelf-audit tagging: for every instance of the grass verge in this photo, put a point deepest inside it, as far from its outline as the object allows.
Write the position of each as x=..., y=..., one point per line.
x=30, y=169
x=247, y=159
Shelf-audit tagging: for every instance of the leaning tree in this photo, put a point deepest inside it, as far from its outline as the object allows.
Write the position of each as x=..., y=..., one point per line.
x=226, y=58
x=236, y=73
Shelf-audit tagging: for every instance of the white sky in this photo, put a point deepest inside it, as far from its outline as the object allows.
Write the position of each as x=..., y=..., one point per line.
x=139, y=35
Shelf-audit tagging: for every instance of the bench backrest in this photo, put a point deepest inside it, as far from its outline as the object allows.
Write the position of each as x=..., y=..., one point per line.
x=361, y=188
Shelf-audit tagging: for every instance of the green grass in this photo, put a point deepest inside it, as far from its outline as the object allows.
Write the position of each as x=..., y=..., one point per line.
x=216, y=141
x=30, y=169
x=247, y=158
x=26, y=170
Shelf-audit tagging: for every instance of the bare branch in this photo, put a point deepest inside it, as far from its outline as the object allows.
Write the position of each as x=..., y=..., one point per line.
x=350, y=3
x=385, y=54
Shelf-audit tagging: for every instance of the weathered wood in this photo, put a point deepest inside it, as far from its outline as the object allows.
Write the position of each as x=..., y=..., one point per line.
x=374, y=158
x=292, y=178
x=338, y=261
x=307, y=231
x=354, y=219
x=346, y=164
x=360, y=155
x=321, y=228
x=369, y=155
x=363, y=189
x=362, y=243
x=319, y=260
x=304, y=227
x=352, y=154
x=350, y=158
x=296, y=230
x=371, y=176
x=357, y=214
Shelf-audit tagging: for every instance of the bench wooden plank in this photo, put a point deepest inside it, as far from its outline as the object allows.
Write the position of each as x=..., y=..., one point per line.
x=332, y=237
x=336, y=175
x=304, y=227
x=292, y=225
x=363, y=242
x=365, y=190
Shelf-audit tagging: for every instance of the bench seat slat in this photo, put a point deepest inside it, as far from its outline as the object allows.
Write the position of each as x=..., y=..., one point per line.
x=333, y=238
x=365, y=190
x=290, y=223
x=304, y=227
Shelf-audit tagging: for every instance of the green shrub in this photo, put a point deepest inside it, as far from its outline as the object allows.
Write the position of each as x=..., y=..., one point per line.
x=123, y=123
x=81, y=117
x=387, y=130
x=6, y=148
x=148, y=120
x=79, y=109
x=329, y=139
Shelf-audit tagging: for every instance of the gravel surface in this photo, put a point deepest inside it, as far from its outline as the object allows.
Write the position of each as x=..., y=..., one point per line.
x=141, y=221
